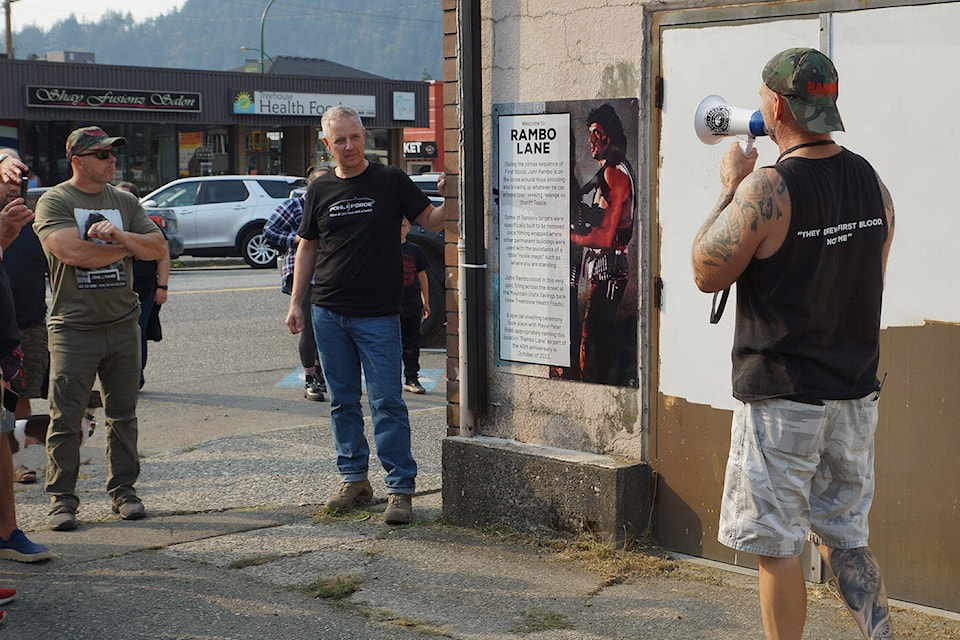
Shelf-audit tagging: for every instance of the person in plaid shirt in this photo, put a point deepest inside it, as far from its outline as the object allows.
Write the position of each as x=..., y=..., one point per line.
x=281, y=232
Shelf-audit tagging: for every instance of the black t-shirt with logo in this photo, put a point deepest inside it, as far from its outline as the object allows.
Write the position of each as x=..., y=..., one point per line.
x=359, y=270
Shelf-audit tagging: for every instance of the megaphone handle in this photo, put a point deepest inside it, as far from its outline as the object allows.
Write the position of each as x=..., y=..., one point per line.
x=747, y=147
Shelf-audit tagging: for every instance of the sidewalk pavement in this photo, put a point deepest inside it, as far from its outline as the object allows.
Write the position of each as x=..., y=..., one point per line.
x=231, y=548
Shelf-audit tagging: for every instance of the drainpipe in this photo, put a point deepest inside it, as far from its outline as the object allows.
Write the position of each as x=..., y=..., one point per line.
x=471, y=252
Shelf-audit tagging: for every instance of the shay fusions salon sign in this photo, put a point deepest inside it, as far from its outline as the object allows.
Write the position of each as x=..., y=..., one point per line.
x=112, y=99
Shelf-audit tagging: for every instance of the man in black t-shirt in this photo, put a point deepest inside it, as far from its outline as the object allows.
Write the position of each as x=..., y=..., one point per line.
x=349, y=246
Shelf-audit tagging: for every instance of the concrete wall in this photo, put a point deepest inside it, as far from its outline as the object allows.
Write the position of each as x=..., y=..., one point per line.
x=544, y=51
x=541, y=441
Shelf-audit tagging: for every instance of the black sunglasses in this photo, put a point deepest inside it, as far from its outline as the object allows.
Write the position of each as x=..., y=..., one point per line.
x=102, y=154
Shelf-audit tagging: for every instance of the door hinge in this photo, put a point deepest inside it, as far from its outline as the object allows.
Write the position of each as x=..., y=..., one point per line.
x=657, y=292
x=658, y=92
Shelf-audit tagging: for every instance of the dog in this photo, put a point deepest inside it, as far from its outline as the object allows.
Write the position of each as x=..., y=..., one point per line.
x=33, y=430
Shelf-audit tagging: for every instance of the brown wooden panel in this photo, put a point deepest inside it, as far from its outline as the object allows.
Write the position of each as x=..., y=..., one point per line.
x=690, y=448
x=915, y=520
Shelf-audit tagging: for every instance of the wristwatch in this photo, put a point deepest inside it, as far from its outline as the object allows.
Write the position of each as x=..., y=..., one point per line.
x=162, y=286
x=4, y=156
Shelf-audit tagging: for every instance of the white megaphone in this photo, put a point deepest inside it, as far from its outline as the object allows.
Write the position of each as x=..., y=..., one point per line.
x=716, y=119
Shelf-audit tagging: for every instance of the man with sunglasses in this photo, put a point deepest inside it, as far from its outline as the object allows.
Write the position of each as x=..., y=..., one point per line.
x=90, y=231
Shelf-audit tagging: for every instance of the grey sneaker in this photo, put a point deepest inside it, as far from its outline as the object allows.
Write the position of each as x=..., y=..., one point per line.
x=349, y=495
x=414, y=386
x=62, y=519
x=312, y=389
x=130, y=509
x=399, y=509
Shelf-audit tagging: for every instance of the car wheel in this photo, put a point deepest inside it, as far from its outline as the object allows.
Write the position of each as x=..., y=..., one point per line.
x=256, y=252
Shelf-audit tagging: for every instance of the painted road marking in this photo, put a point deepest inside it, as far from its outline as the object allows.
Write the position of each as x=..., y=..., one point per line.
x=194, y=291
x=429, y=378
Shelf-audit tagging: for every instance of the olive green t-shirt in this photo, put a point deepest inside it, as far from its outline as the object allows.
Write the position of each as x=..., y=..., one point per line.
x=90, y=298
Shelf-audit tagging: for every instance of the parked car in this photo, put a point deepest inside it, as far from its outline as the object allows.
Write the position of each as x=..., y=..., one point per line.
x=166, y=219
x=224, y=215
x=433, y=330
x=428, y=184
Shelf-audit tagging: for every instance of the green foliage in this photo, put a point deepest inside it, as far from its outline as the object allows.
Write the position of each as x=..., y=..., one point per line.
x=377, y=36
x=254, y=561
x=335, y=588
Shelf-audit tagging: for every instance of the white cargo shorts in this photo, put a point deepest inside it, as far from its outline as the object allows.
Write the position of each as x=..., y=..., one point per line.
x=797, y=470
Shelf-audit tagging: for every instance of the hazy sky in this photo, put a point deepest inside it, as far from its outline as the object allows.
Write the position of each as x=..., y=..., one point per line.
x=43, y=13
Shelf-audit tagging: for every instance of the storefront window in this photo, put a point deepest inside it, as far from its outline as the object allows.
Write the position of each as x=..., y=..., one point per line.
x=265, y=152
x=378, y=146
x=203, y=151
x=42, y=148
x=149, y=158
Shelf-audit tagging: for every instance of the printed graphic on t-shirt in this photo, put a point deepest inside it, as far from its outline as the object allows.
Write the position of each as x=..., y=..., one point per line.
x=840, y=233
x=112, y=275
x=351, y=207
x=409, y=271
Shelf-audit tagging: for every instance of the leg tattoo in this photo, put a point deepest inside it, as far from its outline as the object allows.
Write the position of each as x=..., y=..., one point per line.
x=861, y=585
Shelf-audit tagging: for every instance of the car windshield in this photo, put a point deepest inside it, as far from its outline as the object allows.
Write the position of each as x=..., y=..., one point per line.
x=178, y=195
x=280, y=188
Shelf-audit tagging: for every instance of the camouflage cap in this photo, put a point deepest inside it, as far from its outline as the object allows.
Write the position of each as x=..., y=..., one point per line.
x=91, y=139
x=808, y=80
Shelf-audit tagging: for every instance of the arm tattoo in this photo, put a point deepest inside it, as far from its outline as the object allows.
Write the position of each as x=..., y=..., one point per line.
x=724, y=238
x=757, y=200
x=752, y=203
x=861, y=585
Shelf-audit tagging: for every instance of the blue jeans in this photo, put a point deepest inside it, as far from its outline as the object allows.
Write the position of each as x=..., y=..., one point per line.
x=345, y=344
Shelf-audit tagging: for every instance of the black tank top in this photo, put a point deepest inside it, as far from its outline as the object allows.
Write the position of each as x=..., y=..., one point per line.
x=808, y=317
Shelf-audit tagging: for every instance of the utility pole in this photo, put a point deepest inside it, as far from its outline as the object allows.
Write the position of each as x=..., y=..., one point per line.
x=9, y=23
x=263, y=19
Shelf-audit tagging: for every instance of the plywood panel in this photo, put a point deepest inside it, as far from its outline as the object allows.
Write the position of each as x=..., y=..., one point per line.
x=693, y=441
x=915, y=520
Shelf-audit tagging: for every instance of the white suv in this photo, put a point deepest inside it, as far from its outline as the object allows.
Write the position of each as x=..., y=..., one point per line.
x=224, y=215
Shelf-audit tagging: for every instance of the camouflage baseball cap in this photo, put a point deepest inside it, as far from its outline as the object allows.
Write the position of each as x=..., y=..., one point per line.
x=808, y=80
x=91, y=139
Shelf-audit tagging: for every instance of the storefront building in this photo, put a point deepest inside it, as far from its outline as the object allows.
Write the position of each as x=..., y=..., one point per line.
x=423, y=147
x=182, y=122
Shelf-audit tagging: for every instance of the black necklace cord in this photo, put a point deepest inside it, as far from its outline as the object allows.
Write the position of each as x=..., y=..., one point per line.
x=815, y=143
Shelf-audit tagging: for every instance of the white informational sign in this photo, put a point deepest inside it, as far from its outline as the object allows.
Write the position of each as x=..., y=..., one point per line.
x=284, y=103
x=534, y=159
x=404, y=105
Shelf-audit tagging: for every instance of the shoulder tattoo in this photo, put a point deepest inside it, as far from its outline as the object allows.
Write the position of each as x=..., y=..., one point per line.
x=760, y=198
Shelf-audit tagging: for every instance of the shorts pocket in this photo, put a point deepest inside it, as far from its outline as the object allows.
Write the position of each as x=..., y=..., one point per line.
x=862, y=428
x=789, y=427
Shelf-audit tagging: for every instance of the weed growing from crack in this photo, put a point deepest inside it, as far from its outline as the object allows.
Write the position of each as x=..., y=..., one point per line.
x=335, y=588
x=385, y=615
x=541, y=620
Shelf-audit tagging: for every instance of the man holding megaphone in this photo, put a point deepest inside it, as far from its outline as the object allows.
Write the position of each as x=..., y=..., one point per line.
x=806, y=240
